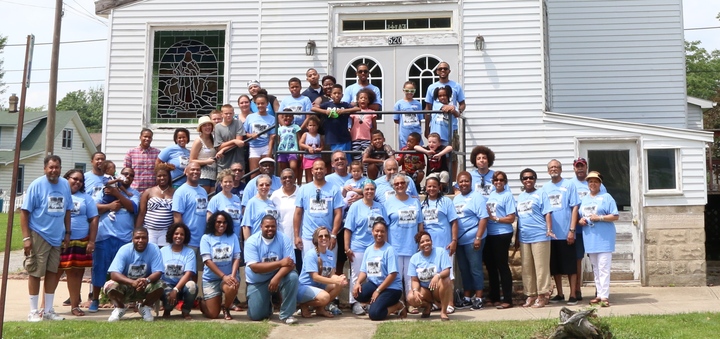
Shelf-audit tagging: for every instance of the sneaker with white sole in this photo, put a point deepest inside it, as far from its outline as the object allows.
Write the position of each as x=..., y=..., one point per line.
x=35, y=316
x=117, y=314
x=290, y=321
x=94, y=306
x=357, y=309
x=477, y=303
x=51, y=315
x=333, y=309
x=572, y=301
x=146, y=312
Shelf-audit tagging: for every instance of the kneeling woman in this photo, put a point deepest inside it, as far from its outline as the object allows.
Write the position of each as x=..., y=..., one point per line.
x=429, y=271
x=179, y=262
x=318, y=282
x=220, y=251
x=379, y=283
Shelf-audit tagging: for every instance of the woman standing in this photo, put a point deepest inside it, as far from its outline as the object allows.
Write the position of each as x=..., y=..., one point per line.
x=258, y=207
x=179, y=262
x=472, y=222
x=203, y=152
x=358, y=236
x=226, y=200
x=83, y=229
x=155, y=208
x=318, y=283
x=501, y=209
x=284, y=201
x=379, y=283
x=177, y=157
x=598, y=212
x=534, y=232
x=244, y=106
x=220, y=251
x=430, y=271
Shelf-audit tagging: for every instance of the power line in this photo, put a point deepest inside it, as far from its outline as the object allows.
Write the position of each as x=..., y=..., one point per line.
x=61, y=42
x=45, y=82
x=61, y=69
x=22, y=4
x=84, y=14
x=699, y=28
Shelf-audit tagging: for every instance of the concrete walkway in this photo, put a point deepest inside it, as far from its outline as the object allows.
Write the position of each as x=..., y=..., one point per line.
x=625, y=301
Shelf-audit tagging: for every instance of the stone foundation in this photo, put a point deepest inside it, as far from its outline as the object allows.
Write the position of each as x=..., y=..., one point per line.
x=674, y=246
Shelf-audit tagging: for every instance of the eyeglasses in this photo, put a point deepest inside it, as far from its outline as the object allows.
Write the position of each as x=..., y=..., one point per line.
x=528, y=178
x=339, y=159
x=287, y=177
x=443, y=68
x=410, y=90
x=398, y=184
x=317, y=195
x=237, y=169
x=360, y=71
x=321, y=236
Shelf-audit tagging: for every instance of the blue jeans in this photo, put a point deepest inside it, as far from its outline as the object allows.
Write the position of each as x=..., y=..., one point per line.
x=186, y=295
x=470, y=265
x=102, y=258
x=387, y=298
x=259, y=298
x=346, y=146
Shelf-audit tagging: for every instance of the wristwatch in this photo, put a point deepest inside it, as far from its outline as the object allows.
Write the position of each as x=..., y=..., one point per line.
x=572, y=230
x=333, y=236
x=477, y=238
x=148, y=280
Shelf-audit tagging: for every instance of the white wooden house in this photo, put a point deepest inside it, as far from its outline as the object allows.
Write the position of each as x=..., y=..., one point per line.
x=543, y=79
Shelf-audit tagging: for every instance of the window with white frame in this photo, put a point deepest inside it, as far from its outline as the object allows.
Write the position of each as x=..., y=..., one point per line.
x=375, y=75
x=67, y=138
x=20, y=180
x=662, y=170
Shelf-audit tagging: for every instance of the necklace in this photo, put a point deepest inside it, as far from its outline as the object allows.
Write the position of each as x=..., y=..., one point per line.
x=162, y=191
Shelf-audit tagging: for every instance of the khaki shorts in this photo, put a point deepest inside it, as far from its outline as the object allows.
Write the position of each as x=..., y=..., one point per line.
x=443, y=176
x=129, y=293
x=44, y=257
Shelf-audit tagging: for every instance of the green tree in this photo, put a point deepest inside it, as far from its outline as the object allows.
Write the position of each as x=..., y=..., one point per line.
x=88, y=104
x=703, y=71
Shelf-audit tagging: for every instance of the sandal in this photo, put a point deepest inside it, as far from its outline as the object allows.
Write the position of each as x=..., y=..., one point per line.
x=76, y=311
x=539, y=303
x=434, y=308
x=503, y=306
x=226, y=313
x=186, y=315
x=604, y=303
x=595, y=301
x=236, y=308
x=414, y=310
x=402, y=313
x=529, y=301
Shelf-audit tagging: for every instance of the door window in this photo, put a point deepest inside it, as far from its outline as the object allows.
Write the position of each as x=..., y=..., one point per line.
x=422, y=73
x=614, y=165
x=375, y=77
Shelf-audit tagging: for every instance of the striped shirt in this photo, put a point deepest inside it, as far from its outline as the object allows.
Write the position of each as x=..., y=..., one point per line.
x=143, y=162
x=159, y=215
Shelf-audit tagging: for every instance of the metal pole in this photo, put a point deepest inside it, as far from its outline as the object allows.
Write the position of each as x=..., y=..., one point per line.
x=52, y=97
x=13, y=185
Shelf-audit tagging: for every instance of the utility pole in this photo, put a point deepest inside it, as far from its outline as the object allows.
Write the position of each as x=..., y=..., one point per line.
x=52, y=96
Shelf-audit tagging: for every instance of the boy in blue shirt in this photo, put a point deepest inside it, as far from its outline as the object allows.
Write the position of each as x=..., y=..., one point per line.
x=296, y=102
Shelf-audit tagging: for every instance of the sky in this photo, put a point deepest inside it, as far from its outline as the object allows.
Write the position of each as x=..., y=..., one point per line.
x=83, y=65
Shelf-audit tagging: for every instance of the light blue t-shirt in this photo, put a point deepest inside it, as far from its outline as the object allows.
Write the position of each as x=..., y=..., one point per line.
x=404, y=218
x=458, y=96
x=47, y=204
x=425, y=268
x=191, y=202
x=470, y=209
x=355, y=184
x=124, y=222
x=531, y=211
x=251, y=188
x=136, y=265
x=94, y=186
x=599, y=237
x=177, y=264
x=336, y=180
x=359, y=220
x=84, y=208
x=288, y=138
x=437, y=218
x=310, y=264
x=255, y=211
x=562, y=198
x=350, y=94
x=384, y=190
x=232, y=206
x=500, y=205
x=259, y=250
x=178, y=157
x=221, y=250
x=379, y=263
x=256, y=123
x=408, y=123
x=318, y=213
x=299, y=104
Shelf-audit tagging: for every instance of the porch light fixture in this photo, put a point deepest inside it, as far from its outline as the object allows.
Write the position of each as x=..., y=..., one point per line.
x=479, y=43
x=310, y=48
x=13, y=103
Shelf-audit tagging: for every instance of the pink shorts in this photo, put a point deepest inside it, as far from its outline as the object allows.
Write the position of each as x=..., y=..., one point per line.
x=307, y=163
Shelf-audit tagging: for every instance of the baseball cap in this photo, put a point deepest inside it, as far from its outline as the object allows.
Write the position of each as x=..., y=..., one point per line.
x=580, y=161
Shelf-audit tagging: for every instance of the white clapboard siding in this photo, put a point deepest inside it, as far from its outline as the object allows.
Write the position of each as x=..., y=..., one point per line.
x=694, y=117
x=620, y=60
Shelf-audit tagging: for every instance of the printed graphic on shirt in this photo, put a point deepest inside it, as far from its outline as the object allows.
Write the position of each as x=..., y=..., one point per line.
x=97, y=192
x=374, y=267
x=201, y=205
x=459, y=210
x=410, y=120
x=427, y=273
x=221, y=253
x=483, y=189
x=555, y=200
x=174, y=270
x=443, y=118
x=492, y=208
x=389, y=194
x=326, y=270
x=76, y=207
x=56, y=203
x=234, y=214
x=319, y=206
x=273, y=212
x=374, y=214
x=258, y=127
x=525, y=207
x=407, y=217
x=430, y=215
x=271, y=257
x=589, y=210
x=582, y=194
x=184, y=161
x=137, y=271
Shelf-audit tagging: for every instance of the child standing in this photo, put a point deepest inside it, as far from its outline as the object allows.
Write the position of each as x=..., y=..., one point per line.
x=408, y=123
x=375, y=155
x=437, y=161
x=412, y=164
x=440, y=122
x=288, y=142
x=337, y=135
x=353, y=186
x=261, y=146
x=312, y=142
x=296, y=102
x=363, y=124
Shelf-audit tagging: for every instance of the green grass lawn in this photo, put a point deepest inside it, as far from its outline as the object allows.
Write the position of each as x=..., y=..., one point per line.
x=17, y=234
x=136, y=329
x=690, y=325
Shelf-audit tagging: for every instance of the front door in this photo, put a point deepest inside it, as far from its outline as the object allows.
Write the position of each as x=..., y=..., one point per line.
x=390, y=67
x=617, y=161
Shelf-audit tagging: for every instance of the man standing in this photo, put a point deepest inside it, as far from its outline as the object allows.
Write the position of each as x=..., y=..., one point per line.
x=229, y=140
x=142, y=160
x=564, y=202
x=45, y=225
x=384, y=187
x=190, y=207
x=314, y=90
x=317, y=204
x=363, y=72
x=113, y=232
x=341, y=175
x=135, y=276
x=270, y=269
x=267, y=166
x=94, y=178
x=439, y=122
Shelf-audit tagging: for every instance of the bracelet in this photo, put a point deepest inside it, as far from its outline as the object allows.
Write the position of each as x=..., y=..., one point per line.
x=602, y=217
x=176, y=290
x=26, y=239
x=347, y=250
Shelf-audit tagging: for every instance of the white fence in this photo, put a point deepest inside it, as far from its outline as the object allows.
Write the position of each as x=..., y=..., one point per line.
x=6, y=203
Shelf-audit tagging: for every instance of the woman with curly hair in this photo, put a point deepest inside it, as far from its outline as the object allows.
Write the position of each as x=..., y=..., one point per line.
x=220, y=251
x=180, y=268
x=155, y=208
x=482, y=158
x=430, y=273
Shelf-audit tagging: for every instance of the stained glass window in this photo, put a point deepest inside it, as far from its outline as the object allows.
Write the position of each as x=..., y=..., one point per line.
x=188, y=75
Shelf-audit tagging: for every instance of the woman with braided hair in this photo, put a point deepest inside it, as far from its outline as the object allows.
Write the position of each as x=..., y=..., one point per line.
x=318, y=282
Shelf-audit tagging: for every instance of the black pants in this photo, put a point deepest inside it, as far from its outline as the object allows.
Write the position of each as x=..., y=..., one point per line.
x=495, y=256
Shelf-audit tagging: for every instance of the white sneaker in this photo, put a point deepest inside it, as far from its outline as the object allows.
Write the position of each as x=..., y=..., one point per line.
x=52, y=315
x=117, y=313
x=357, y=309
x=146, y=312
x=35, y=316
x=290, y=320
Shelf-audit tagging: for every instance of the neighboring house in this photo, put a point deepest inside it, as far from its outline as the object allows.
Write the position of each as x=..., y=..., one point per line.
x=696, y=107
x=546, y=79
x=72, y=143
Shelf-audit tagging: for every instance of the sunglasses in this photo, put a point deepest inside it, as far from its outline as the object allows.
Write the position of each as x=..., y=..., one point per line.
x=321, y=236
x=496, y=180
x=317, y=195
x=412, y=90
x=443, y=69
x=287, y=177
x=528, y=178
x=398, y=184
x=360, y=71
